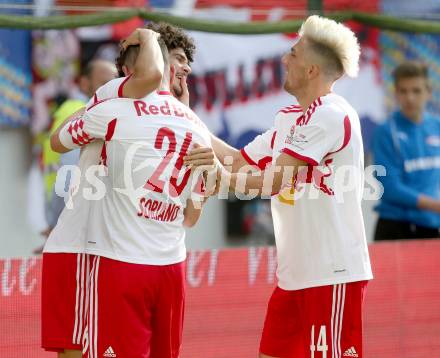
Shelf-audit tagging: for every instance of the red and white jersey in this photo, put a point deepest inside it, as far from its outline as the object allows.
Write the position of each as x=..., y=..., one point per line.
x=318, y=222
x=69, y=233
x=112, y=89
x=139, y=218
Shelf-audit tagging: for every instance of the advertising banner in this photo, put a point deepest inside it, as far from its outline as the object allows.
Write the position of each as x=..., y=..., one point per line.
x=227, y=294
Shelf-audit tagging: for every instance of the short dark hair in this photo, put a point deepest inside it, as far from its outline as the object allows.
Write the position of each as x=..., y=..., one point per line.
x=130, y=54
x=411, y=69
x=174, y=37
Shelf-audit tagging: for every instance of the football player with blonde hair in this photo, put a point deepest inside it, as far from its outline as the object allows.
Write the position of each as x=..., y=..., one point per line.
x=323, y=260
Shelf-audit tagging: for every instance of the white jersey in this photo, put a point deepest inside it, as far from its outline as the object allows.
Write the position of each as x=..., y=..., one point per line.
x=139, y=218
x=112, y=89
x=318, y=222
x=69, y=233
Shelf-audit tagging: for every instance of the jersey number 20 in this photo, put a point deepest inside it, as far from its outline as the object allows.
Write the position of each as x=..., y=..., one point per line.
x=155, y=183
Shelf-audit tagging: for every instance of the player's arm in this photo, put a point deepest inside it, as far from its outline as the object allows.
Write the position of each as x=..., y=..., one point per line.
x=192, y=212
x=225, y=153
x=83, y=128
x=205, y=156
x=266, y=182
x=200, y=156
x=310, y=143
x=205, y=187
x=55, y=142
x=149, y=66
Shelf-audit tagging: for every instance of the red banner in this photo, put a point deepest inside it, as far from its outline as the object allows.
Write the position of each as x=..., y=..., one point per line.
x=227, y=296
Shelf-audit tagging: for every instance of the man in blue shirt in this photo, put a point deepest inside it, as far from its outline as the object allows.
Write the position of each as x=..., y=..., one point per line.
x=408, y=146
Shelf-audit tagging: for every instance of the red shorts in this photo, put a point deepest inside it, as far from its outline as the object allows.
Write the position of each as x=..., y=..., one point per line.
x=315, y=322
x=135, y=310
x=63, y=300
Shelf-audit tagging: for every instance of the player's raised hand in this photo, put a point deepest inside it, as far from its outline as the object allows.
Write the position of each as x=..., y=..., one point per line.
x=200, y=156
x=137, y=36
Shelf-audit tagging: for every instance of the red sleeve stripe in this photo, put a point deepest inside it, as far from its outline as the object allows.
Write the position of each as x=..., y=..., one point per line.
x=108, y=136
x=347, y=135
x=248, y=158
x=272, y=142
x=308, y=160
x=95, y=98
x=103, y=159
x=121, y=86
x=110, y=129
x=262, y=163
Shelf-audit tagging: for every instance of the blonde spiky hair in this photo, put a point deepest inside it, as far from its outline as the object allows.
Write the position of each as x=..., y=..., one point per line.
x=337, y=38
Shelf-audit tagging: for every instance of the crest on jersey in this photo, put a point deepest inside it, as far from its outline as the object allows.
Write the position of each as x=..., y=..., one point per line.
x=292, y=130
x=289, y=138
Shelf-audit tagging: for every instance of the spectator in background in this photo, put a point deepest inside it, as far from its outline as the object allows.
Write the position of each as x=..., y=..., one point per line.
x=93, y=75
x=408, y=146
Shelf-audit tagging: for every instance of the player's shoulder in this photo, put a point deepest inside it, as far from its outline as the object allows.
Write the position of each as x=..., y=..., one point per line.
x=331, y=109
x=333, y=103
x=112, y=84
x=106, y=91
x=288, y=113
x=110, y=105
x=110, y=89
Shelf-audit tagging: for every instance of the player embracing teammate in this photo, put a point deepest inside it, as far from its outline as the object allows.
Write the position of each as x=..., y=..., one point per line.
x=323, y=262
x=67, y=265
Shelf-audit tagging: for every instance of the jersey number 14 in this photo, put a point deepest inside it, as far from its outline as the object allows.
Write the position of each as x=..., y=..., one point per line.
x=321, y=344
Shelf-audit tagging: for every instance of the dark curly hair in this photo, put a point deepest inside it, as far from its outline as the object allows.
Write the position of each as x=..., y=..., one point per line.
x=172, y=36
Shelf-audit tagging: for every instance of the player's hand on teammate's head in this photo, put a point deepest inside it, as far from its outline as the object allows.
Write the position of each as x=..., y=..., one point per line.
x=137, y=35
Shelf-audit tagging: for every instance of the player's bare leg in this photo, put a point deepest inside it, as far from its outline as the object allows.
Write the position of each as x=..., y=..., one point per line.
x=68, y=353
